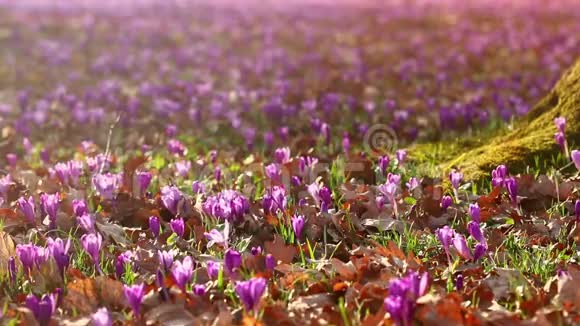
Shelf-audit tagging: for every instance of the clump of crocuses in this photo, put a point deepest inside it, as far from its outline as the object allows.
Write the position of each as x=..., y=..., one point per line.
x=403, y=295
x=227, y=205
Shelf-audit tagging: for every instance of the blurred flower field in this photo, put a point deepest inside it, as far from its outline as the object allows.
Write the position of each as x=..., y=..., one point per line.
x=269, y=163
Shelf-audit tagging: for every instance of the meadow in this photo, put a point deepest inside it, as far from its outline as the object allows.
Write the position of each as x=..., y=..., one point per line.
x=253, y=163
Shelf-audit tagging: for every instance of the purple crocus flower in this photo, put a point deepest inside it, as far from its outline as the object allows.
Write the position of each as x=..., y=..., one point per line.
x=177, y=225
x=182, y=272
x=255, y=251
x=403, y=294
x=445, y=236
x=475, y=212
x=49, y=204
x=498, y=175
x=446, y=202
x=92, y=243
x=298, y=225
x=154, y=225
x=182, y=168
x=217, y=174
x=325, y=132
x=166, y=259
x=560, y=139
x=5, y=184
x=577, y=210
x=199, y=290
x=86, y=222
x=455, y=177
x=401, y=155
x=227, y=205
x=512, y=187
x=270, y=262
x=384, y=164
x=27, y=207
x=273, y=172
x=213, y=269
x=176, y=147
x=79, y=207
x=412, y=184
x=560, y=123
x=575, y=155
x=460, y=244
x=171, y=130
x=282, y=155
x=171, y=195
x=198, y=187
x=134, y=295
x=274, y=200
x=144, y=180
x=31, y=256
x=59, y=251
x=475, y=231
x=12, y=159
x=389, y=191
x=215, y=236
x=479, y=251
x=62, y=172
x=345, y=143
x=250, y=292
x=106, y=184
x=232, y=261
x=75, y=169
x=43, y=308
x=124, y=261
x=102, y=317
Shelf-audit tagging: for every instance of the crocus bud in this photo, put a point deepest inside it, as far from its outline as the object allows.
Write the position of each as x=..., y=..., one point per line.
x=134, y=295
x=475, y=231
x=49, y=204
x=479, y=251
x=59, y=251
x=217, y=174
x=182, y=272
x=177, y=226
x=92, y=244
x=401, y=155
x=455, y=177
x=232, y=261
x=144, y=180
x=12, y=159
x=384, y=164
x=270, y=262
x=297, y=225
x=575, y=155
x=577, y=210
x=170, y=196
x=86, y=222
x=475, y=212
x=213, y=269
x=346, y=143
x=461, y=245
x=560, y=123
x=282, y=155
x=512, y=188
x=28, y=209
x=446, y=201
x=560, y=139
x=256, y=250
x=123, y=261
x=79, y=207
x=154, y=226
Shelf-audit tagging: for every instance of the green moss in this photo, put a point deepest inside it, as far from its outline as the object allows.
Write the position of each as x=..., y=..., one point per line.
x=531, y=138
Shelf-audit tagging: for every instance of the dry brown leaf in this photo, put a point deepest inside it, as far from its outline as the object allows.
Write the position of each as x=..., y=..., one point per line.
x=7, y=250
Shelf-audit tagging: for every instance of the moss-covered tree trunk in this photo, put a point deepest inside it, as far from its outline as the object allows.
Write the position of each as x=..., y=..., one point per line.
x=533, y=137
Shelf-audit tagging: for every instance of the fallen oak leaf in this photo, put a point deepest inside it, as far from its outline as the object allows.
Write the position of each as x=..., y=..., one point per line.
x=280, y=250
